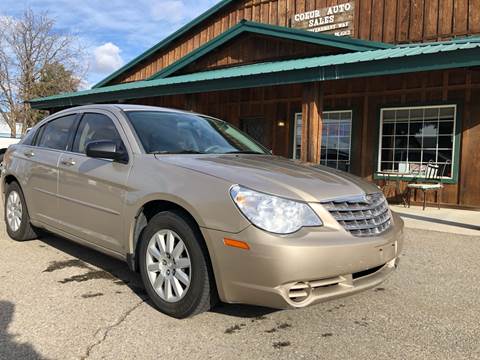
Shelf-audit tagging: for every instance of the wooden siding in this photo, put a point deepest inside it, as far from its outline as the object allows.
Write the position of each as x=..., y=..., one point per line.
x=393, y=21
x=250, y=48
x=365, y=96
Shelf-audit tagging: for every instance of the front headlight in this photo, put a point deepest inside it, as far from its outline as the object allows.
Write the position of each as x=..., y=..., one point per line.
x=272, y=213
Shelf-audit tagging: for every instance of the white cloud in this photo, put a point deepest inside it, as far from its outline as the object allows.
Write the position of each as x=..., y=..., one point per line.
x=169, y=10
x=107, y=58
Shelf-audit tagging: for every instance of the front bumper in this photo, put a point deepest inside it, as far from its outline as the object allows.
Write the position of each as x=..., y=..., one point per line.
x=301, y=269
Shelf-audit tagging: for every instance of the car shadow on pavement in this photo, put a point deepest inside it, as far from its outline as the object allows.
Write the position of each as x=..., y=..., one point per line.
x=243, y=311
x=96, y=265
x=118, y=272
x=9, y=348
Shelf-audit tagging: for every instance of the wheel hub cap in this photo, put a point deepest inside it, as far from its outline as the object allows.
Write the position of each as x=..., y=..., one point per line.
x=168, y=265
x=14, y=211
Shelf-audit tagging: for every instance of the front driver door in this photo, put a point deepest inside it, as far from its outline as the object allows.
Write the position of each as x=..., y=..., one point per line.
x=92, y=191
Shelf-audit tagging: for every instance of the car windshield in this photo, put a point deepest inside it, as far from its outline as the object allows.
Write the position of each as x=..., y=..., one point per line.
x=180, y=133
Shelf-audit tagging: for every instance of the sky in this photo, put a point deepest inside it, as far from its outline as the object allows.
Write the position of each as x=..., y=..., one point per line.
x=112, y=32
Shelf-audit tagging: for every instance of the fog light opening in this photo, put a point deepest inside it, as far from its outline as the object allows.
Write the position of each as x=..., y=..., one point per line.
x=299, y=292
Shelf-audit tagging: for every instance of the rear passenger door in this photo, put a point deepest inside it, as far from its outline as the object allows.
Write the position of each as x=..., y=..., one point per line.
x=92, y=191
x=41, y=167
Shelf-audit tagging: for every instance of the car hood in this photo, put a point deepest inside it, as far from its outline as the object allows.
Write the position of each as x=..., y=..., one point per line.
x=275, y=175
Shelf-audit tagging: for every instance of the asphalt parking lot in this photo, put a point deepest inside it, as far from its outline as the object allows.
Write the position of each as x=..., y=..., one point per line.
x=59, y=300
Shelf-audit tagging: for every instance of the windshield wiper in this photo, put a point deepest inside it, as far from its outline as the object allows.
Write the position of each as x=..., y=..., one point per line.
x=161, y=152
x=245, y=152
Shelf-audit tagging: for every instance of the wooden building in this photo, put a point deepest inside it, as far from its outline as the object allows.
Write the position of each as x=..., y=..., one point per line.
x=363, y=86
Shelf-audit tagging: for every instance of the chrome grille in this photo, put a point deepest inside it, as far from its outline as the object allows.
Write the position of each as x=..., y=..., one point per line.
x=367, y=215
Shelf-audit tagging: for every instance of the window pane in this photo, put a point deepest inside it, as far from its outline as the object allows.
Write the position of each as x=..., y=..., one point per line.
x=429, y=142
x=384, y=165
x=388, y=128
x=444, y=155
x=56, y=133
x=387, y=142
x=94, y=127
x=447, y=113
x=447, y=172
x=414, y=156
x=414, y=142
x=387, y=155
x=430, y=128
x=431, y=113
x=401, y=155
x=446, y=128
x=445, y=141
x=416, y=114
x=429, y=155
x=345, y=129
x=401, y=128
x=344, y=154
x=332, y=163
x=336, y=138
x=343, y=165
x=402, y=114
x=388, y=115
x=401, y=141
x=416, y=128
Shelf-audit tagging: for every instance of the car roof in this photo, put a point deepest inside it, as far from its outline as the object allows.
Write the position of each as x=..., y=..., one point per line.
x=123, y=107
x=112, y=108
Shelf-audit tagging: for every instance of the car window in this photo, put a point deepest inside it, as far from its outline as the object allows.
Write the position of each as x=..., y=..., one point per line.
x=94, y=127
x=171, y=132
x=56, y=133
x=28, y=137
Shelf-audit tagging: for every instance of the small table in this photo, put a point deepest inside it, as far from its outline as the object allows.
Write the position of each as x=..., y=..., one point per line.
x=398, y=176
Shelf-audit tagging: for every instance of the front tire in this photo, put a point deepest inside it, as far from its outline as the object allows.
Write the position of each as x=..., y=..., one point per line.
x=16, y=216
x=174, y=266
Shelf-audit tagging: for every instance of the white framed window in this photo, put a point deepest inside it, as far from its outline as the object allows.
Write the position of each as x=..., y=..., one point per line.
x=336, y=138
x=297, y=136
x=411, y=137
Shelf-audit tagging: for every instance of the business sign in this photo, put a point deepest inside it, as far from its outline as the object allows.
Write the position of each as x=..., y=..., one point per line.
x=336, y=19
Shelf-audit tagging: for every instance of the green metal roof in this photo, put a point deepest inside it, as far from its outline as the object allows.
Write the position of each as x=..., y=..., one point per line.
x=244, y=26
x=395, y=60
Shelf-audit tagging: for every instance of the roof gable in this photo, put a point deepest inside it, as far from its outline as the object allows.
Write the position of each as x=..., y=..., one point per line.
x=396, y=60
x=244, y=26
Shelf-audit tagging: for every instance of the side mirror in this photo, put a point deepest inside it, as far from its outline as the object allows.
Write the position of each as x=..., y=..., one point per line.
x=106, y=149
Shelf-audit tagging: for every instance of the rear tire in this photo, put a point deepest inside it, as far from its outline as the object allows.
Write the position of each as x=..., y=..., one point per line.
x=174, y=266
x=16, y=215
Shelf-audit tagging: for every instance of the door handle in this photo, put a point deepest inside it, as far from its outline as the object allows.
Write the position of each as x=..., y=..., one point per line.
x=68, y=162
x=29, y=153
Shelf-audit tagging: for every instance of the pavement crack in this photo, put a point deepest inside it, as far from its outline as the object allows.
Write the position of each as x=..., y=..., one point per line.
x=106, y=330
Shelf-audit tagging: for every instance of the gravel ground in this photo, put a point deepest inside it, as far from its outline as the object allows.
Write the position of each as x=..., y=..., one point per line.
x=59, y=300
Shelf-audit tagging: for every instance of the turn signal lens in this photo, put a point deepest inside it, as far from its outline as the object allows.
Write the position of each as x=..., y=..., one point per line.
x=236, y=243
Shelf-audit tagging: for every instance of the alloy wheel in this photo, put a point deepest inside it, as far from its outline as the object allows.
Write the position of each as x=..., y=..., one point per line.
x=14, y=211
x=168, y=265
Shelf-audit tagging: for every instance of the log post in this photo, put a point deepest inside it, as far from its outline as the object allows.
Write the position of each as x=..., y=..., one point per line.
x=312, y=108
